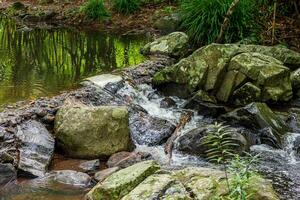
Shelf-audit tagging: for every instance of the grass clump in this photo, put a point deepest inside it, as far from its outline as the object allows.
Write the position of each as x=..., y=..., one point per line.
x=126, y=6
x=95, y=9
x=202, y=19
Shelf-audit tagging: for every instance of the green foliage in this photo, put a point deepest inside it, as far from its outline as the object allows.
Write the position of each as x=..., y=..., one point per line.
x=95, y=9
x=126, y=6
x=203, y=19
x=220, y=143
x=241, y=169
x=221, y=150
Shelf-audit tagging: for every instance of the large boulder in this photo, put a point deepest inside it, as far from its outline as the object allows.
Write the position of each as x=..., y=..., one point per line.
x=148, y=130
x=92, y=132
x=36, y=148
x=145, y=181
x=221, y=69
x=258, y=116
x=192, y=142
x=265, y=72
x=122, y=182
x=174, y=45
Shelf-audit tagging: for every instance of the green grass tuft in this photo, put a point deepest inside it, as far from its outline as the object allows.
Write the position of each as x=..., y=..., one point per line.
x=95, y=9
x=203, y=19
x=126, y=6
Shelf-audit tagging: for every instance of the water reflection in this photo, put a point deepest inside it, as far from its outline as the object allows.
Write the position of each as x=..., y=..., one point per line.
x=43, y=62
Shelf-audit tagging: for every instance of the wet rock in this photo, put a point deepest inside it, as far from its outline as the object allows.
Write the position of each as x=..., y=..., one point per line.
x=8, y=150
x=143, y=73
x=192, y=142
x=174, y=45
x=48, y=14
x=70, y=177
x=103, y=174
x=258, y=116
x=104, y=79
x=90, y=166
x=92, y=132
x=7, y=173
x=204, y=104
x=32, y=18
x=167, y=102
x=148, y=130
x=126, y=159
x=122, y=182
x=36, y=148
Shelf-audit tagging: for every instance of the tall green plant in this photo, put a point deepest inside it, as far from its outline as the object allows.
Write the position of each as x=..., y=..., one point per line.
x=202, y=19
x=221, y=148
x=126, y=6
x=95, y=9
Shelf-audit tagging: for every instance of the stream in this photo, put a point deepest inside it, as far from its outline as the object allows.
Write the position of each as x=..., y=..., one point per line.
x=39, y=63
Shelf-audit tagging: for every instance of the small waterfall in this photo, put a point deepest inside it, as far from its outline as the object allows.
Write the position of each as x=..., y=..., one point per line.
x=290, y=142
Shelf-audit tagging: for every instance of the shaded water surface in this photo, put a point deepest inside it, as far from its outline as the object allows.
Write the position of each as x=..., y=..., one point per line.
x=36, y=63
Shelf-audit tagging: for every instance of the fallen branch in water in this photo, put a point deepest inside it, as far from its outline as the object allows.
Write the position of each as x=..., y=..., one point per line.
x=184, y=119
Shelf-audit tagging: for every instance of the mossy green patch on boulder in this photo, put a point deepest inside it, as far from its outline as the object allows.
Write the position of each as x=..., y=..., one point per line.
x=227, y=86
x=92, y=132
x=295, y=78
x=151, y=188
x=174, y=44
x=246, y=94
x=122, y=182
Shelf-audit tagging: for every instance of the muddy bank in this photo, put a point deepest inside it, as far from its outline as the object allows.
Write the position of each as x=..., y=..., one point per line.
x=61, y=14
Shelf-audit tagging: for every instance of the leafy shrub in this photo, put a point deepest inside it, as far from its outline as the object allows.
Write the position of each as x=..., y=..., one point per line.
x=126, y=6
x=203, y=19
x=95, y=9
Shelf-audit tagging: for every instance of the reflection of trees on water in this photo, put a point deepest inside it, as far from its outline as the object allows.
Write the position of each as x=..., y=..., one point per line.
x=42, y=61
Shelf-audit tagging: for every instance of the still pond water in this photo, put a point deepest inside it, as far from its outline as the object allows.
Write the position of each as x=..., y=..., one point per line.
x=44, y=62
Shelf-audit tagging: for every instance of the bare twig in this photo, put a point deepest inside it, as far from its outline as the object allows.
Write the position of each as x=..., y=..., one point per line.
x=185, y=118
x=274, y=22
x=226, y=21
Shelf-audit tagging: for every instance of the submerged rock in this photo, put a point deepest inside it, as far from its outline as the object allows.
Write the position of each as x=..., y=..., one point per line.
x=7, y=173
x=122, y=182
x=126, y=159
x=36, y=148
x=90, y=166
x=70, y=177
x=103, y=174
x=92, y=132
x=174, y=45
x=221, y=69
x=148, y=130
x=258, y=116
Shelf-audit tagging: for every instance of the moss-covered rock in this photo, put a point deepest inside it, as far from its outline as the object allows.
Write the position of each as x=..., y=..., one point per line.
x=151, y=188
x=122, y=182
x=174, y=45
x=295, y=78
x=246, y=94
x=258, y=116
x=92, y=132
x=222, y=68
x=267, y=73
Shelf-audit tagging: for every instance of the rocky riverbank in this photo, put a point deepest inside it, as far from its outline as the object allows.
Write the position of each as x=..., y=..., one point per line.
x=121, y=120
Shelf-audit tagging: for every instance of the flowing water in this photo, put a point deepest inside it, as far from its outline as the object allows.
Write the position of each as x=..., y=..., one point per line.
x=43, y=62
